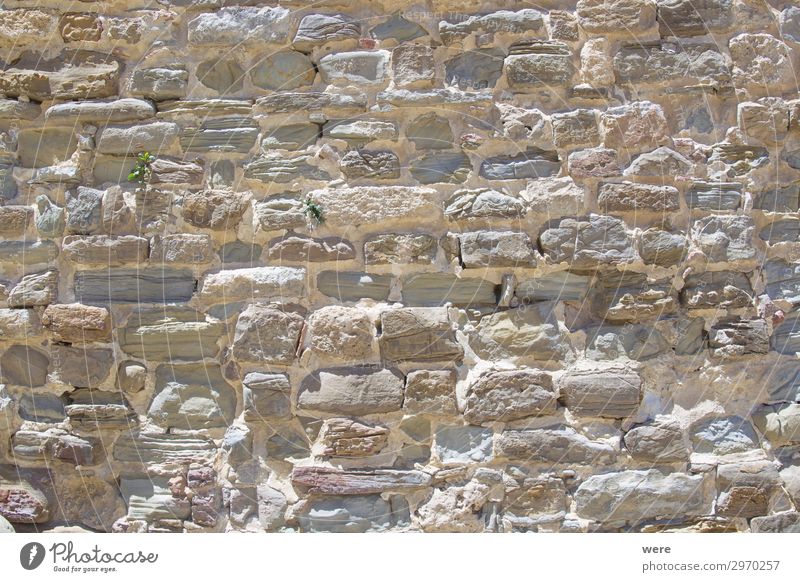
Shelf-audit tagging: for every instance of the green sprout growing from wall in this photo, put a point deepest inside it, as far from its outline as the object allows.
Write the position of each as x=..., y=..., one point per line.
x=141, y=171
x=314, y=211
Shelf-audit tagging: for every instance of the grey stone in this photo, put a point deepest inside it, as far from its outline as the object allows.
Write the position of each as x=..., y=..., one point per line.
x=53, y=444
x=463, y=444
x=508, y=395
x=152, y=499
x=662, y=163
x=353, y=286
x=131, y=376
x=50, y=220
x=671, y=63
x=483, y=203
x=554, y=445
x=717, y=290
x=779, y=423
x=786, y=336
x=589, y=242
x=430, y=131
x=661, y=247
x=781, y=231
x=283, y=71
x=82, y=368
x=725, y=238
x=293, y=137
x=48, y=146
x=227, y=134
x=28, y=253
x=42, y=407
x=19, y=324
x=538, y=64
x=361, y=131
x=376, y=164
x=8, y=186
x=557, y=286
x=633, y=496
x=110, y=251
x=632, y=197
x=153, y=137
x=631, y=16
x=730, y=337
x=782, y=280
x=353, y=391
x=266, y=396
x=222, y=75
x=740, y=158
x=659, y=441
x=603, y=392
x=432, y=289
x=635, y=342
x=34, y=290
x=191, y=397
x=329, y=103
x=430, y=392
x=496, y=249
x=354, y=514
x=14, y=109
x=790, y=23
x=532, y=332
x=21, y=365
x=398, y=28
x=266, y=335
x=433, y=98
x=116, y=111
x=475, y=70
x=444, y=167
x=84, y=210
x=148, y=285
x=283, y=169
x=166, y=171
x=182, y=248
x=779, y=199
x=240, y=25
x=400, y=249
x=240, y=252
x=171, y=333
x=163, y=448
x=532, y=163
x=723, y=436
x=319, y=29
x=354, y=67
x=785, y=522
x=686, y=18
x=160, y=83
x=418, y=334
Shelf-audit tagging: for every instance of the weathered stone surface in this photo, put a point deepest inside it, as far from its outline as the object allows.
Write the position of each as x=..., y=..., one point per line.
x=593, y=163
x=227, y=134
x=79, y=367
x=266, y=396
x=53, y=444
x=432, y=289
x=92, y=409
x=370, y=204
x=532, y=332
x=147, y=285
x=319, y=29
x=660, y=441
x=663, y=164
x=496, y=249
x=359, y=132
x=661, y=247
x=532, y=163
x=19, y=324
x=413, y=65
x=671, y=64
x=152, y=499
x=162, y=448
x=352, y=391
x=779, y=423
x=353, y=286
x=42, y=407
x=731, y=337
x=684, y=18
x=354, y=514
x=240, y=25
x=554, y=445
x=160, y=83
x=101, y=249
x=341, y=332
x=635, y=342
x=330, y=481
x=344, y=437
x=445, y=167
x=786, y=522
x=191, y=397
x=557, y=286
x=292, y=137
x=537, y=64
x=475, y=70
x=782, y=280
x=330, y=103
x=640, y=495
x=255, y=283
x=723, y=436
x=635, y=127
x=377, y=164
x=781, y=231
x=615, y=16
x=173, y=333
x=526, y=21
x=604, y=392
x=784, y=199
x=154, y=137
x=760, y=61
x=283, y=71
x=294, y=248
x=282, y=170
x=268, y=335
x=725, y=238
x=483, y=203
x=34, y=290
x=22, y=503
x=631, y=197
x=15, y=220
x=222, y=75
x=400, y=249
x=21, y=365
x=430, y=392
x=717, y=290
x=354, y=67
x=77, y=323
x=418, y=334
x=631, y=297
x=509, y=395
x=588, y=242
x=463, y=444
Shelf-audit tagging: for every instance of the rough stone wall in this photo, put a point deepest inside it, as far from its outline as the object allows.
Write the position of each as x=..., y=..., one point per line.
x=553, y=289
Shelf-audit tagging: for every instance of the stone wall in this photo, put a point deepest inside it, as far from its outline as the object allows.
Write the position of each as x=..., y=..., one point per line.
x=553, y=286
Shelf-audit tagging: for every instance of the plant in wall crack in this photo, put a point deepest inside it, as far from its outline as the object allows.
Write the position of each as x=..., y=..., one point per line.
x=143, y=168
x=314, y=212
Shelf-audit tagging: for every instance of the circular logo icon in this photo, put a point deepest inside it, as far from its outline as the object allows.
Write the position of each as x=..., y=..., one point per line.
x=31, y=555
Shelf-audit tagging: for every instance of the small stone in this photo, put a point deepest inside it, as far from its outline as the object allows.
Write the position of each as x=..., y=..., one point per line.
x=354, y=67
x=216, y=210
x=510, y=395
x=319, y=29
x=266, y=396
x=222, y=75
x=418, y=334
x=661, y=247
x=730, y=337
x=82, y=368
x=353, y=286
x=344, y=437
x=341, y=332
x=191, y=397
x=182, y=248
x=430, y=392
x=160, y=83
x=413, y=66
x=657, y=442
x=607, y=393
x=131, y=376
x=538, y=64
x=293, y=248
x=355, y=391
x=283, y=71
x=554, y=445
x=266, y=335
x=21, y=365
x=84, y=210
x=725, y=238
x=400, y=249
x=463, y=444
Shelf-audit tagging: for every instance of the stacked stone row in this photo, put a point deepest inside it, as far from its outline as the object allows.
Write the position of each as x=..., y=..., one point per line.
x=553, y=286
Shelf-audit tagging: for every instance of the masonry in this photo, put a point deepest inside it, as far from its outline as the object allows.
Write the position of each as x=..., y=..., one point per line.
x=441, y=266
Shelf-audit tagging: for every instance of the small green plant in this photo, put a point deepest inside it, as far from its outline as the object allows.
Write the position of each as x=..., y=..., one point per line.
x=141, y=171
x=314, y=211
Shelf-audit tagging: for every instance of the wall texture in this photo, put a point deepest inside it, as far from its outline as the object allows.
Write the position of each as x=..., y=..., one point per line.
x=553, y=287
